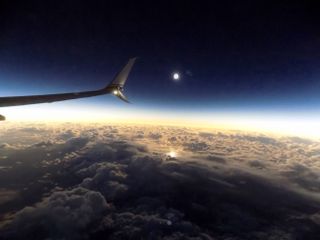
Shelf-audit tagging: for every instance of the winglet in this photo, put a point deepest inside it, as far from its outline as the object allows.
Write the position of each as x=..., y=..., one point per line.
x=117, y=84
x=121, y=78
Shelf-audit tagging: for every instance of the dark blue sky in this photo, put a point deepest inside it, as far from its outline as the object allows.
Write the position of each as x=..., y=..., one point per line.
x=246, y=54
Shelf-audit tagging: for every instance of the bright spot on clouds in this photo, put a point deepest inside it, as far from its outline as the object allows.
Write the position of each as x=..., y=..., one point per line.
x=172, y=154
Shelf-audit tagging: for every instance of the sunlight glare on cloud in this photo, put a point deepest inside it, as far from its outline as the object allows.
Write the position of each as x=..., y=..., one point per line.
x=172, y=154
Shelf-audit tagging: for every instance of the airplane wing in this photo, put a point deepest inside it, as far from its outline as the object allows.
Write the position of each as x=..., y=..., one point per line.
x=115, y=87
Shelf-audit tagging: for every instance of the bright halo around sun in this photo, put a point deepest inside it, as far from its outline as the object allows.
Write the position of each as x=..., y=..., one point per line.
x=176, y=76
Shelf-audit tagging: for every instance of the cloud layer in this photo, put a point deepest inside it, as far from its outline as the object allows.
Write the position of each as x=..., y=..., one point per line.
x=71, y=181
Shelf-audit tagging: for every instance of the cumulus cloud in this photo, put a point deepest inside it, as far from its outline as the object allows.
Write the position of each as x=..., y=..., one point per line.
x=4, y=145
x=172, y=139
x=33, y=130
x=155, y=136
x=196, y=146
x=257, y=164
x=260, y=139
x=207, y=135
x=7, y=196
x=107, y=179
x=128, y=225
x=304, y=176
x=65, y=214
x=217, y=159
x=67, y=135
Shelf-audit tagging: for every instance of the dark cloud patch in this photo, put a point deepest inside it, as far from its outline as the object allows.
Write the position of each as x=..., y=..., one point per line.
x=74, y=144
x=316, y=218
x=257, y=164
x=155, y=226
x=114, y=130
x=139, y=136
x=300, y=140
x=7, y=196
x=172, y=139
x=33, y=130
x=63, y=215
x=206, y=135
x=43, y=144
x=196, y=146
x=155, y=136
x=67, y=135
x=108, y=179
x=205, y=203
x=216, y=159
x=26, y=166
x=303, y=176
x=119, y=152
x=4, y=146
x=260, y=139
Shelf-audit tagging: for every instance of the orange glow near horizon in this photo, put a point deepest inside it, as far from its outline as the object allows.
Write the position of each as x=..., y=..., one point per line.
x=280, y=125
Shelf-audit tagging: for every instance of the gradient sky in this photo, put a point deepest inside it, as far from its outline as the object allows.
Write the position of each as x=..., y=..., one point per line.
x=237, y=58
